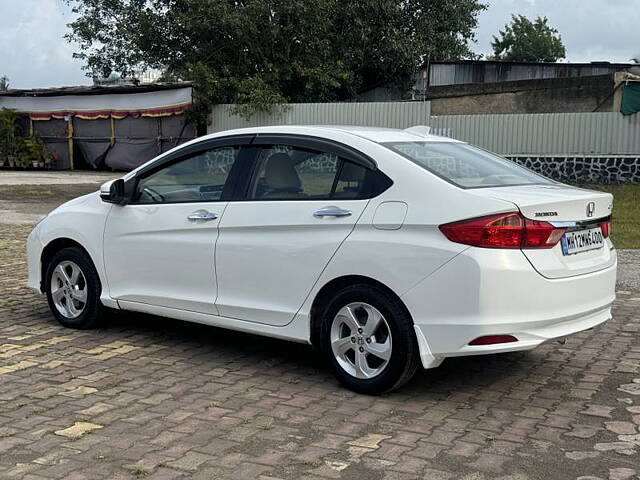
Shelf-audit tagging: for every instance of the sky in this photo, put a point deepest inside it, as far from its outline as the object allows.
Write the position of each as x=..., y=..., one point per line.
x=33, y=52
x=591, y=30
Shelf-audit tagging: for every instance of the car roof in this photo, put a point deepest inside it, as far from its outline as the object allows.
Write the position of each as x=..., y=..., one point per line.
x=374, y=134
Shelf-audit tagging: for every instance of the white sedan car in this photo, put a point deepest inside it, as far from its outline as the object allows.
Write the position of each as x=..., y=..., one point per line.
x=386, y=249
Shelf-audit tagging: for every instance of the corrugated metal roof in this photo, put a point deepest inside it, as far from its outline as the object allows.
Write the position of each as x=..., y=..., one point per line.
x=461, y=72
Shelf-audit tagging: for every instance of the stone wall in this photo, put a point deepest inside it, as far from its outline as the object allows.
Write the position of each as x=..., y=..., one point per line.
x=584, y=169
x=553, y=95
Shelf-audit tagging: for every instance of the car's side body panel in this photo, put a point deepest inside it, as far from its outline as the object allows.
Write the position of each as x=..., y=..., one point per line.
x=270, y=253
x=401, y=256
x=81, y=220
x=297, y=330
x=156, y=255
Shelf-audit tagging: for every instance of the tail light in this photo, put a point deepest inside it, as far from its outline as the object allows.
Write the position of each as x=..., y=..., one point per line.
x=505, y=230
x=541, y=234
x=606, y=228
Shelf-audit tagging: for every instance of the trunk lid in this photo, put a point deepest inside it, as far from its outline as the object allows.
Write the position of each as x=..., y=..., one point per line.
x=557, y=204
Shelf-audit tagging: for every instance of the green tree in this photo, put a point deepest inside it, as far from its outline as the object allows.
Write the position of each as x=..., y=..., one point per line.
x=264, y=52
x=4, y=83
x=527, y=41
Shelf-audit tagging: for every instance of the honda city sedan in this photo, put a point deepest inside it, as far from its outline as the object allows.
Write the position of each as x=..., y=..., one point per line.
x=385, y=249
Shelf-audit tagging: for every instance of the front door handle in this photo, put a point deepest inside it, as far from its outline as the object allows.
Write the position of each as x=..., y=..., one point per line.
x=332, y=212
x=202, y=215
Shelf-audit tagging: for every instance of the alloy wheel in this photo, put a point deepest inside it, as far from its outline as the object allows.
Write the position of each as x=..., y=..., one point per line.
x=69, y=289
x=361, y=340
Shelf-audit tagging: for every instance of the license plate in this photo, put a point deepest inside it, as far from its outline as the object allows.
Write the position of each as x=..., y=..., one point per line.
x=581, y=241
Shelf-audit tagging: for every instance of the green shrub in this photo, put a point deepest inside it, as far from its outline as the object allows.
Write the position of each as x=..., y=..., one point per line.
x=15, y=147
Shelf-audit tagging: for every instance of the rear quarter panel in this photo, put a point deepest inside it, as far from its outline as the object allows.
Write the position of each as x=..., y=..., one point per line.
x=401, y=258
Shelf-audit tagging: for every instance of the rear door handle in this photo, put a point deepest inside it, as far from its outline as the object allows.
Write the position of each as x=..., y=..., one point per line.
x=332, y=212
x=203, y=215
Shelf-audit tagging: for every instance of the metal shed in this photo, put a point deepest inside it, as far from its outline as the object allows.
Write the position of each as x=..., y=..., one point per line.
x=487, y=71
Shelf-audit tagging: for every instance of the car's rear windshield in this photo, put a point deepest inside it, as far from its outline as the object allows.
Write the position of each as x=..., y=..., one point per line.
x=465, y=165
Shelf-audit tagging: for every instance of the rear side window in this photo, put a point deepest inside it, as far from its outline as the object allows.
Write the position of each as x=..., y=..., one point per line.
x=465, y=165
x=285, y=172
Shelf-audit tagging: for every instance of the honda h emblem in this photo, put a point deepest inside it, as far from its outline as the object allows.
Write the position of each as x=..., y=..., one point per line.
x=591, y=208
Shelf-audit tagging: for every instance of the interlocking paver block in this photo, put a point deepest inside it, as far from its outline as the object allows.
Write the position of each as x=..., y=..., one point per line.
x=371, y=440
x=17, y=367
x=79, y=392
x=78, y=429
x=189, y=461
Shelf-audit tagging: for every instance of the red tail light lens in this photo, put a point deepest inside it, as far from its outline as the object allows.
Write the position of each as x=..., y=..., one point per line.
x=493, y=339
x=541, y=234
x=506, y=230
x=494, y=231
x=606, y=228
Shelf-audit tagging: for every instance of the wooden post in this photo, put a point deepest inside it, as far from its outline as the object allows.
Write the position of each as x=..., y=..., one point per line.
x=70, y=139
x=112, y=140
x=618, y=80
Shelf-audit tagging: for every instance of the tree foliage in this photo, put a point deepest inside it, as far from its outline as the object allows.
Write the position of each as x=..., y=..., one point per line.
x=264, y=52
x=527, y=41
x=4, y=83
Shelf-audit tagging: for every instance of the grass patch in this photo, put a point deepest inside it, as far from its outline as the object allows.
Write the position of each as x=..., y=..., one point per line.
x=37, y=411
x=36, y=193
x=139, y=472
x=626, y=213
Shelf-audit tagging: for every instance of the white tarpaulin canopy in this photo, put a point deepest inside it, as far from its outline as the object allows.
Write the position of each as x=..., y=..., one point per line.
x=107, y=102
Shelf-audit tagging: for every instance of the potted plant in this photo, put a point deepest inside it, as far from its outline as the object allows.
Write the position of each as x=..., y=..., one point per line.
x=50, y=159
x=34, y=152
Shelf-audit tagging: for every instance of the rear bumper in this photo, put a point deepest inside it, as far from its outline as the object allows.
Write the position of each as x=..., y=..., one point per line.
x=497, y=292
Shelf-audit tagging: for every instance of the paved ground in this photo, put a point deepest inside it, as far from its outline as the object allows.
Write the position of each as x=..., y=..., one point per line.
x=629, y=269
x=146, y=397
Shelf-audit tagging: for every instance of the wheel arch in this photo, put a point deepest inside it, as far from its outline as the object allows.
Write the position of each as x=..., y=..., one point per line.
x=53, y=247
x=335, y=285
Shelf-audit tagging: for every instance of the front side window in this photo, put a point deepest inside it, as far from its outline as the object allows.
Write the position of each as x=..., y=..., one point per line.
x=289, y=173
x=465, y=165
x=199, y=178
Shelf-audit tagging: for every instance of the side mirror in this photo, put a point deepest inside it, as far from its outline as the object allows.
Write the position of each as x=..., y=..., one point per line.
x=113, y=192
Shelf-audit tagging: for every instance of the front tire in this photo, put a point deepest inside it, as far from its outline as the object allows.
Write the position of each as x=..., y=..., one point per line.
x=367, y=338
x=73, y=289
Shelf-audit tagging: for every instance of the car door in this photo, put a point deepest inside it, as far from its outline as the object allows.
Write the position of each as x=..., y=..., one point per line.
x=301, y=203
x=159, y=248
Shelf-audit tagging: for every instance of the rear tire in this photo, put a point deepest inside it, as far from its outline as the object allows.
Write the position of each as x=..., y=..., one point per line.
x=368, y=339
x=73, y=289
